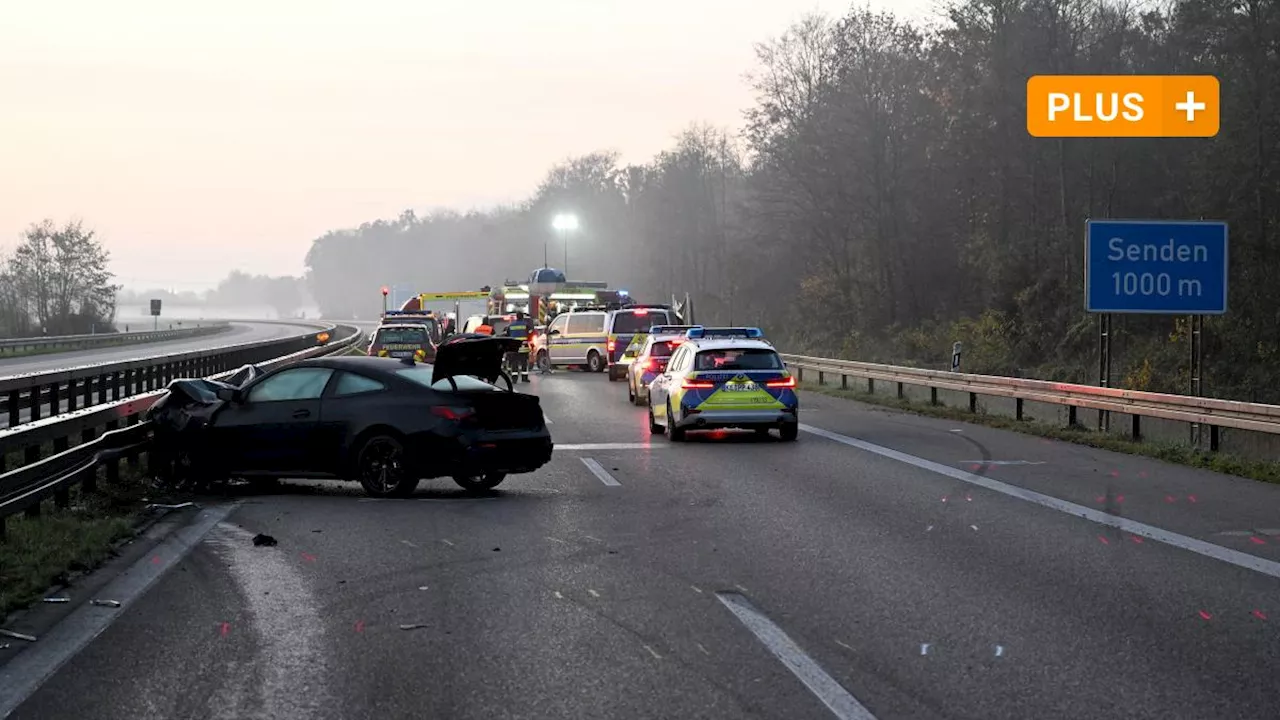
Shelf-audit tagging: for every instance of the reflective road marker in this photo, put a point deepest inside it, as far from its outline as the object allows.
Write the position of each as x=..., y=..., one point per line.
x=830, y=692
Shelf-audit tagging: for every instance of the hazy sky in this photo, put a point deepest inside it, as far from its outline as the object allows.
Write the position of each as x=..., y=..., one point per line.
x=239, y=131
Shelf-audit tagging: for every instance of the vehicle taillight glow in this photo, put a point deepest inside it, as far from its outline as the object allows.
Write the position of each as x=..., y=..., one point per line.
x=452, y=413
x=612, y=344
x=689, y=384
x=640, y=312
x=786, y=382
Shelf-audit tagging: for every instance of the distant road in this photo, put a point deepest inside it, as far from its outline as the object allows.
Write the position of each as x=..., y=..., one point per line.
x=240, y=332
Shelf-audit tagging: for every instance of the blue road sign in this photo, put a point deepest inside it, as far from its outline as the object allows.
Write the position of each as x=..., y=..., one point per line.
x=1156, y=267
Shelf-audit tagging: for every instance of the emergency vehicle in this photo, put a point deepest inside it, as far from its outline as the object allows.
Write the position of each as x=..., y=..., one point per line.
x=724, y=378
x=647, y=357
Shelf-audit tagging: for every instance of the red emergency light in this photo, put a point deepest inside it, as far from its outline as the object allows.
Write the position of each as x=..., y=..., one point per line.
x=385, y=291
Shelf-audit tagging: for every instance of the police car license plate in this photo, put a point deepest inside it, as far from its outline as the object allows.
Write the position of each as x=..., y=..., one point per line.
x=402, y=354
x=741, y=387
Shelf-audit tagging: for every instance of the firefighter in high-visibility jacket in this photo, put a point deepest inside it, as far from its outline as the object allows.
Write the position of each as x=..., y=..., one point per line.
x=519, y=361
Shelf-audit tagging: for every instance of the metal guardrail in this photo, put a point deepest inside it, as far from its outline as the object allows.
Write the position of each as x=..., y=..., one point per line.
x=45, y=393
x=14, y=346
x=25, y=488
x=1212, y=413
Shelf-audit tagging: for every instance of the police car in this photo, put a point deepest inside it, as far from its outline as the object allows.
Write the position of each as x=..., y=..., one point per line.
x=647, y=355
x=724, y=378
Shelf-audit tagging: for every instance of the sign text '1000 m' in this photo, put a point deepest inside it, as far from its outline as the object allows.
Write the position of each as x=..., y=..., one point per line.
x=1158, y=267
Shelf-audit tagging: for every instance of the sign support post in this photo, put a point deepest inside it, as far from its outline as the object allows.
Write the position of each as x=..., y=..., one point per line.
x=1197, y=369
x=1104, y=364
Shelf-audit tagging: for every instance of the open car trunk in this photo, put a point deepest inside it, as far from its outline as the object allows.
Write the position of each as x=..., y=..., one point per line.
x=472, y=354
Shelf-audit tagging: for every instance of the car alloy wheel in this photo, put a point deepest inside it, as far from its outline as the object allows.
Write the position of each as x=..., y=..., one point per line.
x=380, y=466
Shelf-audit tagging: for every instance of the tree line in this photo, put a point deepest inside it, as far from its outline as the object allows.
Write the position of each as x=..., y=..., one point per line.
x=285, y=294
x=884, y=198
x=56, y=282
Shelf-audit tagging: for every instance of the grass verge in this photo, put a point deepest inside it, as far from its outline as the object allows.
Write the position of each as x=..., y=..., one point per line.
x=1262, y=470
x=51, y=549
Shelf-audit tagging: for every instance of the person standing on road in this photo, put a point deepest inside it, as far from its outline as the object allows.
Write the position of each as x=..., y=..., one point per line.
x=519, y=329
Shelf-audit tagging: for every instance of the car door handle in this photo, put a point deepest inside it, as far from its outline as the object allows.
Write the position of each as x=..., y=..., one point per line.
x=302, y=413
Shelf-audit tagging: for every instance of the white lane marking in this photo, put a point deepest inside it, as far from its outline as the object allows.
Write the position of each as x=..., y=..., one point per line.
x=1200, y=547
x=844, y=645
x=563, y=542
x=696, y=589
x=284, y=611
x=704, y=650
x=598, y=470
x=1000, y=462
x=835, y=697
x=559, y=596
x=406, y=542
x=27, y=671
x=609, y=446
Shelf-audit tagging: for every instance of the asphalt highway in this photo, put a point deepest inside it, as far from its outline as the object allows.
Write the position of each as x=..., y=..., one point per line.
x=884, y=565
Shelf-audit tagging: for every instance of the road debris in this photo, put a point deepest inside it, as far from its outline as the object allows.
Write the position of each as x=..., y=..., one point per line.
x=162, y=506
x=57, y=600
x=17, y=635
x=4, y=646
x=106, y=603
x=261, y=540
x=414, y=626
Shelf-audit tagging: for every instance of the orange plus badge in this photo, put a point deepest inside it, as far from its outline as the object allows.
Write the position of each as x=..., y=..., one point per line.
x=1122, y=106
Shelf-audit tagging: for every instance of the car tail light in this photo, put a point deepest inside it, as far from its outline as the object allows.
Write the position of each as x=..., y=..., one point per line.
x=690, y=384
x=612, y=344
x=786, y=382
x=452, y=413
x=676, y=341
x=640, y=312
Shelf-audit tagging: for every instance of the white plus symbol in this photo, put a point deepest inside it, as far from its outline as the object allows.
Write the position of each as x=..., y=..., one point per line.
x=1190, y=106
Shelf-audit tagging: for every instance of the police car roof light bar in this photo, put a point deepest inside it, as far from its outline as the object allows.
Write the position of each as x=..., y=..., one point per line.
x=699, y=333
x=668, y=329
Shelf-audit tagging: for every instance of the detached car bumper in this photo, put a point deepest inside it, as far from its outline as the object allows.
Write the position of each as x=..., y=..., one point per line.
x=712, y=419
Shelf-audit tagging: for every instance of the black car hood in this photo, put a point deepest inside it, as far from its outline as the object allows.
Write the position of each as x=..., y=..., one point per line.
x=472, y=354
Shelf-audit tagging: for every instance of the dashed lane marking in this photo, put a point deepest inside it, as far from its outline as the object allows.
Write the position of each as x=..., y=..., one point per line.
x=825, y=687
x=1200, y=547
x=598, y=470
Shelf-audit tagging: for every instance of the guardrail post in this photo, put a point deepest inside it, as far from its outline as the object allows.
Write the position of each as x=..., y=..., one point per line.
x=115, y=385
x=800, y=374
x=1017, y=408
x=973, y=402
x=128, y=383
x=901, y=391
x=1071, y=416
x=35, y=403
x=1213, y=438
x=102, y=389
x=60, y=444
x=1135, y=429
x=844, y=381
x=822, y=378
x=62, y=497
x=14, y=407
x=933, y=396
x=71, y=395
x=871, y=386
x=113, y=471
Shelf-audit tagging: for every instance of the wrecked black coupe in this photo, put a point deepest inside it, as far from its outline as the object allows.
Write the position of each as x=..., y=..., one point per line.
x=385, y=422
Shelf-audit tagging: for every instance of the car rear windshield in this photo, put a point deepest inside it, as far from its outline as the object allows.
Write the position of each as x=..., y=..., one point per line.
x=627, y=322
x=402, y=336
x=422, y=373
x=738, y=359
x=661, y=349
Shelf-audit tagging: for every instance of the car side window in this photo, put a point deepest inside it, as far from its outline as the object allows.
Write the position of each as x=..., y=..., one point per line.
x=559, y=324
x=676, y=364
x=352, y=384
x=295, y=384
